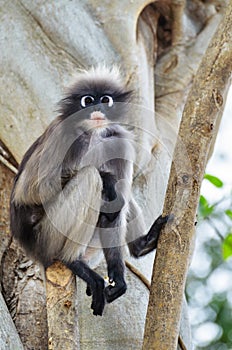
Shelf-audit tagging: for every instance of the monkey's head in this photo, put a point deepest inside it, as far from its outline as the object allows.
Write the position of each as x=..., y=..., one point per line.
x=98, y=96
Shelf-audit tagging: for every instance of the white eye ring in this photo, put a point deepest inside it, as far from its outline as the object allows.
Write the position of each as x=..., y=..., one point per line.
x=107, y=99
x=87, y=101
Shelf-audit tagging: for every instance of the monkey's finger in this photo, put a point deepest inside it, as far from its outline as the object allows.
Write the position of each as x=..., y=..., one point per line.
x=88, y=290
x=98, y=306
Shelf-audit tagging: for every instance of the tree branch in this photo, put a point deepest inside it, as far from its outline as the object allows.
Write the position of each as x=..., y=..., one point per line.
x=197, y=129
x=61, y=308
x=8, y=164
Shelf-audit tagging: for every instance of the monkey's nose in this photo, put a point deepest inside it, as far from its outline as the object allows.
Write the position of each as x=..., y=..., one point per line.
x=97, y=115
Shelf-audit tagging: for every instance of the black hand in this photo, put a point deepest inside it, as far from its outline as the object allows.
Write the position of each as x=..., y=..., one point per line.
x=95, y=284
x=98, y=298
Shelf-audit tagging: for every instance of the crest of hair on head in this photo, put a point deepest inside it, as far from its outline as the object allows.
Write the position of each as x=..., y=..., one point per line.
x=101, y=72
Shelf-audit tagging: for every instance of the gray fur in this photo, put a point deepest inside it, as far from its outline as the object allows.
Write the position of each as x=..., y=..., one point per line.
x=72, y=196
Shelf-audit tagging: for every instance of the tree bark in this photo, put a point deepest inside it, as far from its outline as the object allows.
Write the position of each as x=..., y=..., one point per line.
x=9, y=338
x=21, y=283
x=158, y=45
x=204, y=104
x=63, y=330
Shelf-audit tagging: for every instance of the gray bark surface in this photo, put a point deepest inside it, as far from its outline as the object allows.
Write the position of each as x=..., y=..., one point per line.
x=43, y=44
x=9, y=338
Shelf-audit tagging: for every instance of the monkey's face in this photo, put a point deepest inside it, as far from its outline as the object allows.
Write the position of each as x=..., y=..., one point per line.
x=96, y=102
x=99, y=110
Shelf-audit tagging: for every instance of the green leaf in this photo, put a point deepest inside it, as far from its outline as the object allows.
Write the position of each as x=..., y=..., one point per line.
x=205, y=209
x=214, y=180
x=203, y=201
x=227, y=247
x=229, y=213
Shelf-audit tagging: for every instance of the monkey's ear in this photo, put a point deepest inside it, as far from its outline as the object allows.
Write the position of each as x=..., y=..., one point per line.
x=69, y=105
x=126, y=96
x=73, y=97
x=70, y=97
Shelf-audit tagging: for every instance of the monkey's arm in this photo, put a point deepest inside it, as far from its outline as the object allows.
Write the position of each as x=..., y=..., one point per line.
x=48, y=165
x=38, y=178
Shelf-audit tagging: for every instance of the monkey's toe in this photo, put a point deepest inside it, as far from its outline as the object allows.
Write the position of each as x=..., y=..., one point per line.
x=161, y=220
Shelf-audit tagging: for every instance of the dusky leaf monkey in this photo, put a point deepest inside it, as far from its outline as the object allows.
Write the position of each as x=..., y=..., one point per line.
x=72, y=196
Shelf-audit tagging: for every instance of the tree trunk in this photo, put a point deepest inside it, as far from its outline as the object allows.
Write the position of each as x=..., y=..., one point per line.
x=158, y=45
x=197, y=129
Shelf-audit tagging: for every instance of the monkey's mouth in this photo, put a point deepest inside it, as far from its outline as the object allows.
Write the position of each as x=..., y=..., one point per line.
x=98, y=118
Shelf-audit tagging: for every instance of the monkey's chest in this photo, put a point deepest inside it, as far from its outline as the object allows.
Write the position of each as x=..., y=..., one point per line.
x=103, y=148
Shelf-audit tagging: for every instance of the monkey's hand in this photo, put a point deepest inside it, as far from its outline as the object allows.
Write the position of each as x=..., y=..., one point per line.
x=116, y=288
x=145, y=244
x=95, y=284
x=98, y=298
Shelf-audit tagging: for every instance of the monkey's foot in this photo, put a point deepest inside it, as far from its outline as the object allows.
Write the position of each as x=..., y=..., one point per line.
x=161, y=221
x=145, y=244
x=151, y=238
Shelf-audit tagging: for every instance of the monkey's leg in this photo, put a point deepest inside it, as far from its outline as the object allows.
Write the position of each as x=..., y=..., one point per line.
x=89, y=189
x=68, y=228
x=95, y=284
x=70, y=218
x=143, y=244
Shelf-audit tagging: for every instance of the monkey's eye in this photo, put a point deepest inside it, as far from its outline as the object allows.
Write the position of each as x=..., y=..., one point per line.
x=107, y=99
x=86, y=101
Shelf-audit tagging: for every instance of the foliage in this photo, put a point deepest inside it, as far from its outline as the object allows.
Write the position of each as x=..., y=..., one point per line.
x=209, y=284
